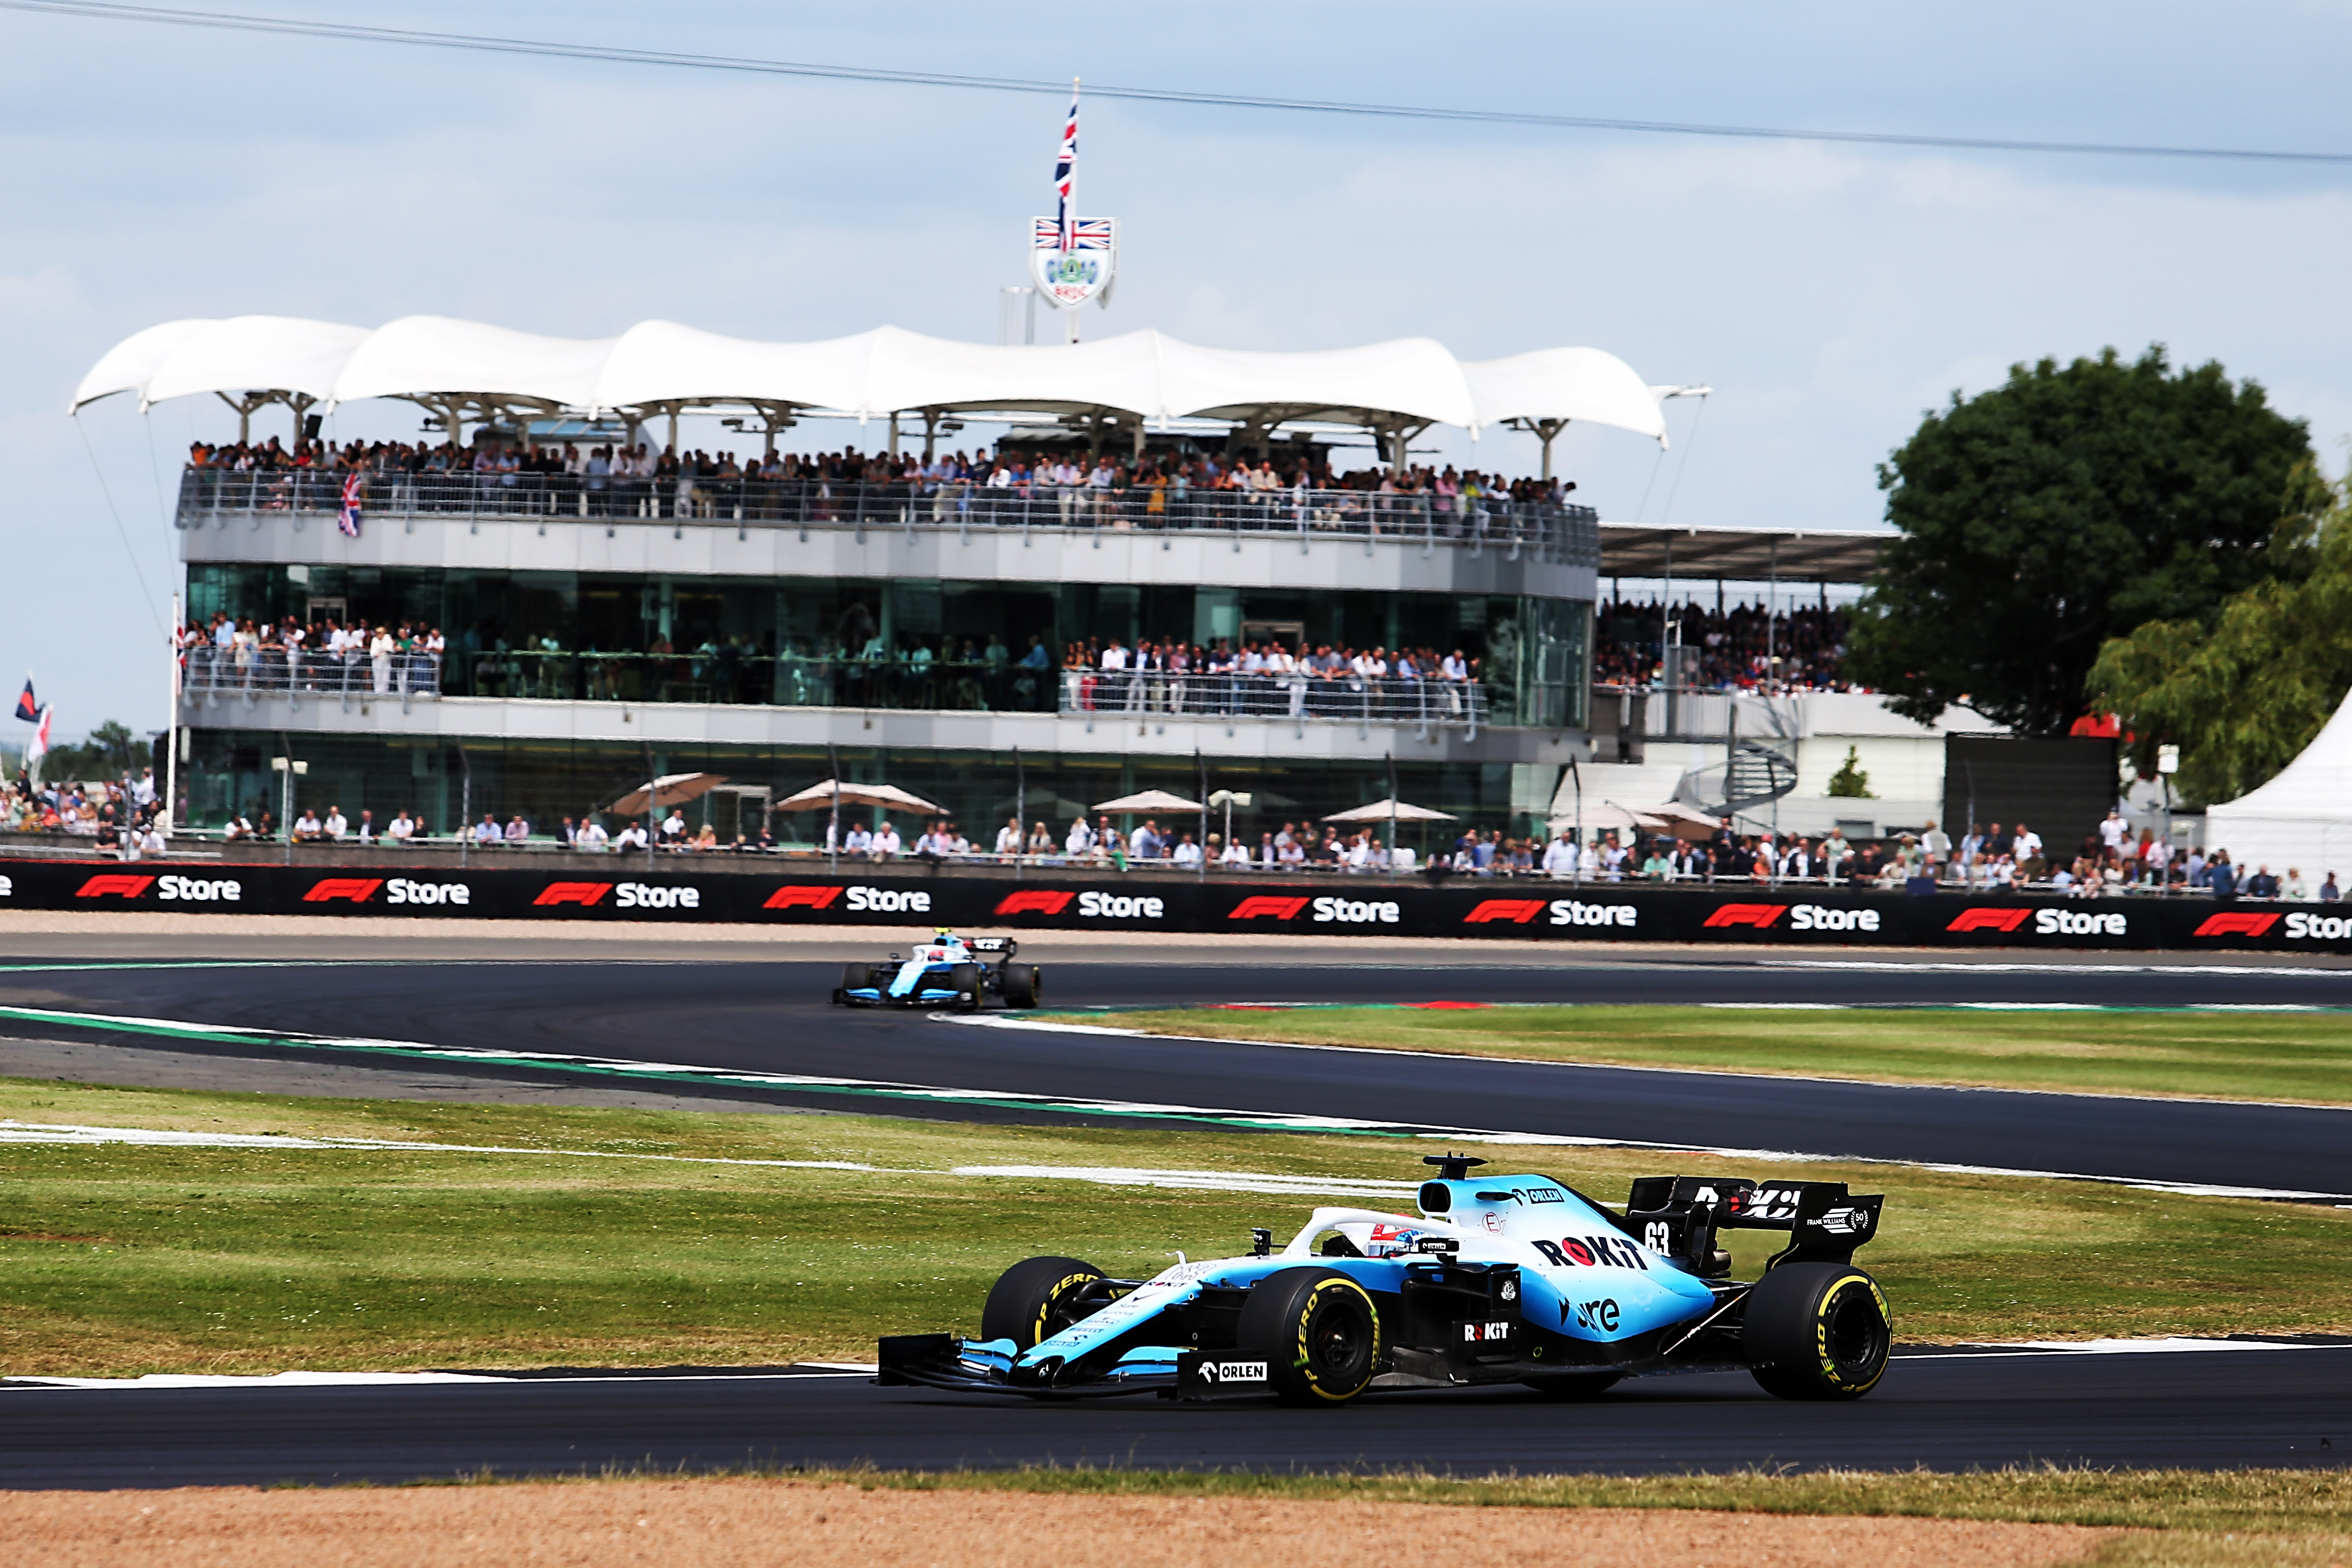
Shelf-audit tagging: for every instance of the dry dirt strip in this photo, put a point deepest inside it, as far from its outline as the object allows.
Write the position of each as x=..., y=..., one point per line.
x=760, y=1523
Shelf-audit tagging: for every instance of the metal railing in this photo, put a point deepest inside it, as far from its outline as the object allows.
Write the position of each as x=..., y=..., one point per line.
x=1345, y=699
x=209, y=496
x=209, y=670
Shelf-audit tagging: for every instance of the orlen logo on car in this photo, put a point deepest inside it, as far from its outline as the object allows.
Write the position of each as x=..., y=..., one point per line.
x=2237, y=922
x=1988, y=920
x=802, y=897
x=1121, y=907
x=1755, y=915
x=1264, y=906
x=1577, y=913
x=1519, y=911
x=1034, y=901
x=584, y=894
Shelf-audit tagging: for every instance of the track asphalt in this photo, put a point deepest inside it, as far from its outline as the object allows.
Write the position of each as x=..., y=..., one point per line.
x=2200, y=1409
x=774, y=1018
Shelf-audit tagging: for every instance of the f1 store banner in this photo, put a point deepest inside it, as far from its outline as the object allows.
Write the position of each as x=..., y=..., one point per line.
x=1467, y=907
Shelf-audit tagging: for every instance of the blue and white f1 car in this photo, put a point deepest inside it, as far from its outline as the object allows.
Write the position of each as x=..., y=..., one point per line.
x=948, y=971
x=1497, y=1279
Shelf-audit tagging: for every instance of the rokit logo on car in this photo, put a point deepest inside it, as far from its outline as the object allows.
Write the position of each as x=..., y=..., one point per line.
x=1485, y=1334
x=1590, y=1251
x=1121, y=907
x=1232, y=1372
x=1355, y=911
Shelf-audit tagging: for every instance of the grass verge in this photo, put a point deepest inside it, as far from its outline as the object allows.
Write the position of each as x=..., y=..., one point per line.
x=2296, y=1057
x=119, y=1259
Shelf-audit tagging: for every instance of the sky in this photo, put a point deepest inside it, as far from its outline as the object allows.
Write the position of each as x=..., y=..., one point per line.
x=1830, y=294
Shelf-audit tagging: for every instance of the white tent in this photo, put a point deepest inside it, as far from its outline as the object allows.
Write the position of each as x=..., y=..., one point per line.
x=1144, y=374
x=2302, y=819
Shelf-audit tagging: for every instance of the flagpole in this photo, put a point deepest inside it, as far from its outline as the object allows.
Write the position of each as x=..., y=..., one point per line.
x=172, y=732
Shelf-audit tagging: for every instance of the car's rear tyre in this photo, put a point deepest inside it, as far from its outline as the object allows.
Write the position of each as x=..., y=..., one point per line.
x=1319, y=1333
x=1036, y=1298
x=963, y=979
x=1817, y=1331
x=1021, y=984
x=1574, y=1385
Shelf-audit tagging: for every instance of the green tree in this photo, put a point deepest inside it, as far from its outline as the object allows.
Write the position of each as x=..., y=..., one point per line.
x=2241, y=696
x=1849, y=783
x=108, y=753
x=2064, y=508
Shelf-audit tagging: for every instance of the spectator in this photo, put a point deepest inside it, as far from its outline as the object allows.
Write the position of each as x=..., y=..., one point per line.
x=1187, y=852
x=2262, y=884
x=2221, y=875
x=568, y=835
x=367, y=829
x=1933, y=842
x=2293, y=891
x=2112, y=831
x=592, y=838
x=486, y=833
x=1559, y=856
x=2328, y=891
x=335, y=827
x=1081, y=840
x=517, y=832
x=673, y=830
x=1040, y=840
x=403, y=828
x=1235, y=858
x=1008, y=838
x=633, y=835
x=885, y=844
x=307, y=828
x=858, y=840
x=1145, y=843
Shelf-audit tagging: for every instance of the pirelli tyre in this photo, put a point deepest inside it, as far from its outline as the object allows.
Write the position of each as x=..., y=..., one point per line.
x=1816, y=1331
x=854, y=977
x=964, y=980
x=1319, y=1333
x=1021, y=985
x=1038, y=1297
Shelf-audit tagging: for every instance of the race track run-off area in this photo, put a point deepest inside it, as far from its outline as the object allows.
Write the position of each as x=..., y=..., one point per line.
x=746, y=1034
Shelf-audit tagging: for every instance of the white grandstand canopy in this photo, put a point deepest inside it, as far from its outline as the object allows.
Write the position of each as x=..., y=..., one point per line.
x=1394, y=387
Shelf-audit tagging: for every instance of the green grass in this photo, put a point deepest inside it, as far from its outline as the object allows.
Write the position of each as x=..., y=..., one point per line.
x=2299, y=1056
x=118, y=1259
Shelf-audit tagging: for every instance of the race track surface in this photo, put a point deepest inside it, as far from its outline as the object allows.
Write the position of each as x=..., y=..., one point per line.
x=774, y=1018
x=2192, y=1409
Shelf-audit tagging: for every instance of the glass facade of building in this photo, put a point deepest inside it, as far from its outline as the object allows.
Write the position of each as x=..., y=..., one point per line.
x=883, y=642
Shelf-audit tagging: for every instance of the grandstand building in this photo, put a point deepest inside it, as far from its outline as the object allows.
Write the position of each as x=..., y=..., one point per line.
x=536, y=644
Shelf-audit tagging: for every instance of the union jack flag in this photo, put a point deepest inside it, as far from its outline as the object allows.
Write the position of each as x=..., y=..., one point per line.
x=347, y=516
x=1091, y=234
x=1065, y=176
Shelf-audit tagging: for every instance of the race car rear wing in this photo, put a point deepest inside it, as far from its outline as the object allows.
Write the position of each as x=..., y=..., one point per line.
x=1003, y=945
x=1679, y=1217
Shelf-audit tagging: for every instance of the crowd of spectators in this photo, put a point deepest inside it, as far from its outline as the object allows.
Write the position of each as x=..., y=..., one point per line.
x=388, y=659
x=123, y=817
x=608, y=479
x=1168, y=676
x=1739, y=649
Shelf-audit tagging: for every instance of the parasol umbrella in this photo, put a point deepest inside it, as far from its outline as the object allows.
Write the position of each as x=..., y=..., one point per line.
x=1390, y=811
x=1687, y=821
x=820, y=797
x=1149, y=800
x=671, y=789
x=1607, y=818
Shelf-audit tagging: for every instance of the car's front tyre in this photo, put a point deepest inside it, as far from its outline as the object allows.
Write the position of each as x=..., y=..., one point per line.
x=1319, y=1333
x=1038, y=1297
x=1817, y=1331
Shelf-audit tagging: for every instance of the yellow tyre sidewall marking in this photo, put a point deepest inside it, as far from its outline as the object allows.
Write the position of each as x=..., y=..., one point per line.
x=1046, y=1307
x=1306, y=1313
x=1830, y=1373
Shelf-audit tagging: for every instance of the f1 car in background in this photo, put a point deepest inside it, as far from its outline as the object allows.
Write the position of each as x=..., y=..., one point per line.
x=1500, y=1279
x=948, y=971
